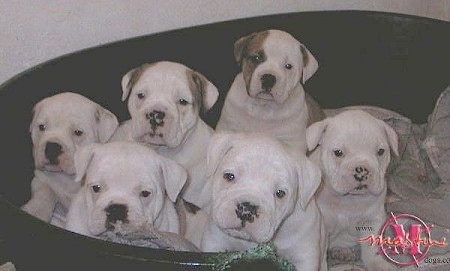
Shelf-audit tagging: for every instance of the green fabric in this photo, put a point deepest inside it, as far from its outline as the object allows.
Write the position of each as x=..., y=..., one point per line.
x=263, y=252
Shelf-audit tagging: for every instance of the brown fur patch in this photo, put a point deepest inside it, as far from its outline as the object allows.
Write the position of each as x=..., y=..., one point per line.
x=197, y=83
x=304, y=55
x=249, y=53
x=136, y=74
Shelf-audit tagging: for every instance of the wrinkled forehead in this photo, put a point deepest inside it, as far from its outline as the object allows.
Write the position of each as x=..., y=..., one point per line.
x=361, y=135
x=281, y=46
x=259, y=160
x=123, y=167
x=66, y=112
x=160, y=77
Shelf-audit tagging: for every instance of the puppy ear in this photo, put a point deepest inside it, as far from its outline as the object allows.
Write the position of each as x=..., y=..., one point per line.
x=392, y=137
x=219, y=145
x=107, y=124
x=240, y=46
x=175, y=177
x=314, y=133
x=310, y=64
x=130, y=79
x=34, y=113
x=203, y=90
x=82, y=159
x=310, y=178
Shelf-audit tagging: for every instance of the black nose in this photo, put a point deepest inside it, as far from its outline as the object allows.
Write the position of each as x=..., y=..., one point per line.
x=156, y=118
x=52, y=151
x=361, y=174
x=246, y=212
x=116, y=212
x=268, y=81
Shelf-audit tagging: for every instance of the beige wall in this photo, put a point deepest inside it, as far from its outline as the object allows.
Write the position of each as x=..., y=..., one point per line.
x=33, y=31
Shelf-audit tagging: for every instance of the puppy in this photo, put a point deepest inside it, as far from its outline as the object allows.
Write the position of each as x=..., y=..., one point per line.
x=61, y=124
x=261, y=194
x=268, y=96
x=353, y=152
x=126, y=187
x=165, y=100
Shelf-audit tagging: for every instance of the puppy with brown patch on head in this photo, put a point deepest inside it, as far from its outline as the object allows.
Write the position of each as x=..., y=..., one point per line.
x=353, y=151
x=165, y=100
x=268, y=96
x=126, y=188
x=61, y=124
x=262, y=194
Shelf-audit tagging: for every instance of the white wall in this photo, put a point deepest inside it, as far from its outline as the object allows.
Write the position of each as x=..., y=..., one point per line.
x=33, y=31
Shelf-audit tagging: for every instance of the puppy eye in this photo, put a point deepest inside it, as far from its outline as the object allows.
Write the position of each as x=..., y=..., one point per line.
x=255, y=59
x=96, y=188
x=145, y=193
x=42, y=127
x=280, y=194
x=288, y=66
x=183, y=102
x=228, y=176
x=380, y=152
x=78, y=132
x=338, y=153
x=141, y=95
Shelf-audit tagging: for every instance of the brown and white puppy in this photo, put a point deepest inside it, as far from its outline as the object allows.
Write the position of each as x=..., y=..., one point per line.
x=165, y=100
x=268, y=96
x=261, y=194
x=353, y=152
x=61, y=124
x=126, y=188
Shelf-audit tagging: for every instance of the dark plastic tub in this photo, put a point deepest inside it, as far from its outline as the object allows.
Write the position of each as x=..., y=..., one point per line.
x=395, y=61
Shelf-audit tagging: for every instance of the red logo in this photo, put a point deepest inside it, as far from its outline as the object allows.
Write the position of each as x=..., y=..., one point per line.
x=404, y=240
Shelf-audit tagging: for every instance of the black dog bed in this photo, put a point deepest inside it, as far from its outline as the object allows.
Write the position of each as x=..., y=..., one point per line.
x=398, y=62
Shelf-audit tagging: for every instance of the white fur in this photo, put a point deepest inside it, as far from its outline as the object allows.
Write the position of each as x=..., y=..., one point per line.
x=59, y=117
x=283, y=113
x=185, y=135
x=345, y=202
x=122, y=171
x=261, y=167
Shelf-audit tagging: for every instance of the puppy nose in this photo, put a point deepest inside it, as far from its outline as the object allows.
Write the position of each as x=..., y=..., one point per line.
x=116, y=212
x=156, y=117
x=52, y=151
x=268, y=81
x=361, y=174
x=246, y=212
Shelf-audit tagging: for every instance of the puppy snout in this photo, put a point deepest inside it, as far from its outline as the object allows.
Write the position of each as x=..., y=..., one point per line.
x=116, y=212
x=156, y=118
x=268, y=81
x=246, y=212
x=361, y=174
x=53, y=151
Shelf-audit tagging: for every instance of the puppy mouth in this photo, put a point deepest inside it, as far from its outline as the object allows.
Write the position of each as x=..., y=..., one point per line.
x=361, y=189
x=52, y=168
x=265, y=95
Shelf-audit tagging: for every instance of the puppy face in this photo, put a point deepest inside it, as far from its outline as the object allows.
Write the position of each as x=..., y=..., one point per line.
x=256, y=185
x=64, y=122
x=165, y=99
x=354, y=150
x=125, y=185
x=273, y=63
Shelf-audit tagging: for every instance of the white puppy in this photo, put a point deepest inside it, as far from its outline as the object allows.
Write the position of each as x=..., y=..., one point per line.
x=268, y=96
x=353, y=151
x=126, y=187
x=165, y=100
x=61, y=124
x=261, y=194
